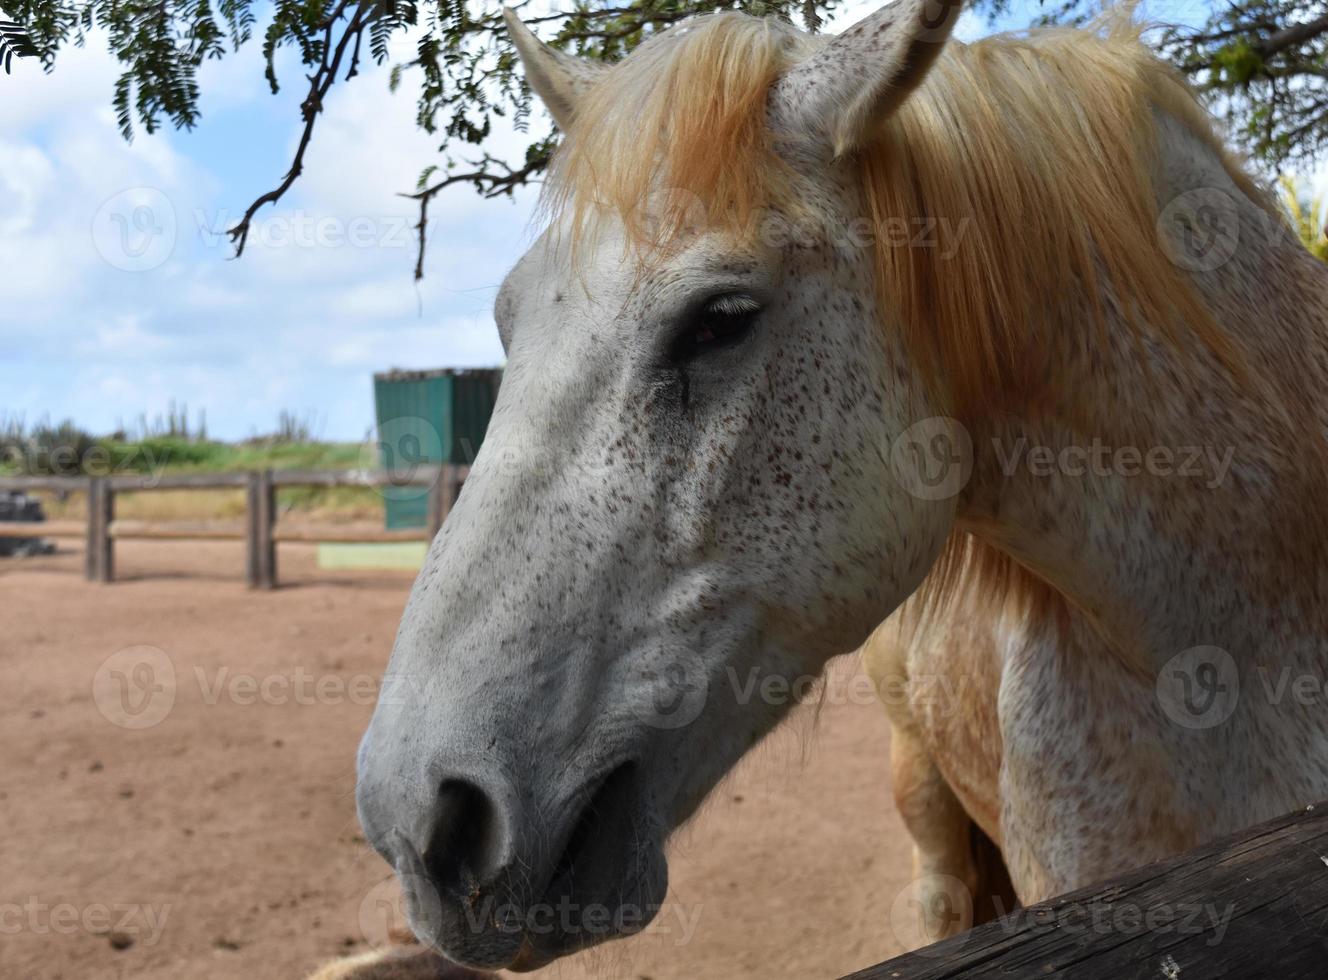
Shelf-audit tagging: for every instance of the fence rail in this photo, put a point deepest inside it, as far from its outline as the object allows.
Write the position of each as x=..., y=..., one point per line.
x=1254, y=904
x=260, y=530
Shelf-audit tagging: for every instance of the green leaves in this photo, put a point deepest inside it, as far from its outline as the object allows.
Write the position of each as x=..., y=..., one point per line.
x=1263, y=64
x=1236, y=63
x=14, y=43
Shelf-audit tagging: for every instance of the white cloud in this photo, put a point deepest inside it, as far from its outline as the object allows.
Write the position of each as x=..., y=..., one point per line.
x=81, y=74
x=319, y=300
x=123, y=337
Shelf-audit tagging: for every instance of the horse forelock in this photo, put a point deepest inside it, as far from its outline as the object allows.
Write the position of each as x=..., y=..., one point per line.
x=676, y=133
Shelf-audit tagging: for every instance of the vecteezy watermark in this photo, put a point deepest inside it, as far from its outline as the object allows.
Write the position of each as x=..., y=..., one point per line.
x=300, y=229
x=1305, y=689
x=137, y=687
x=673, y=215
x=942, y=235
x=933, y=459
x=135, y=230
x=384, y=920
x=134, y=687
x=756, y=684
x=593, y=919
x=93, y=459
x=669, y=690
x=942, y=695
x=1203, y=228
x=300, y=687
x=409, y=449
x=139, y=229
x=144, y=923
x=1208, y=464
x=930, y=908
x=1200, y=229
x=1119, y=918
x=382, y=917
x=1199, y=687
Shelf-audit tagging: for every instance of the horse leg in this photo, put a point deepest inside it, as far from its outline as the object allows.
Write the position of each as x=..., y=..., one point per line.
x=945, y=869
x=938, y=687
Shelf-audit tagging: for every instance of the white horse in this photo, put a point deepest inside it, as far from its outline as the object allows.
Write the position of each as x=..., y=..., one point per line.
x=819, y=324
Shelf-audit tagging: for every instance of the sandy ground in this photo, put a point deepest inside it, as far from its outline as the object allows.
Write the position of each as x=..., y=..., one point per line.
x=220, y=840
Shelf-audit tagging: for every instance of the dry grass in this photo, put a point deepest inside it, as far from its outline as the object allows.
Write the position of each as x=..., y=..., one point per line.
x=337, y=505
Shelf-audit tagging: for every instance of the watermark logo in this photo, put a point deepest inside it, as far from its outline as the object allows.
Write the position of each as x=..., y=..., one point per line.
x=933, y=459
x=130, y=922
x=407, y=447
x=593, y=919
x=1198, y=688
x=930, y=908
x=136, y=230
x=1118, y=918
x=382, y=915
x=1200, y=229
x=134, y=688
x=669, y=693
x=1207, y=464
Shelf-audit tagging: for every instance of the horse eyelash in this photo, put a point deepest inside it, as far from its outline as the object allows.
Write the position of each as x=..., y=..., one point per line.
x=733, y=304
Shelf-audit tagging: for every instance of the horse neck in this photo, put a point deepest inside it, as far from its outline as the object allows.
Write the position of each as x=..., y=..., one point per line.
x=1172, y=503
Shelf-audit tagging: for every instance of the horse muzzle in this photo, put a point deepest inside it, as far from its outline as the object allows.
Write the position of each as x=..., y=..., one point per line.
x=493, y=881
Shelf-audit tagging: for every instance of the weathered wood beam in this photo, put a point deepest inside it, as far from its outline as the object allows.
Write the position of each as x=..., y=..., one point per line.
x=1251, y=905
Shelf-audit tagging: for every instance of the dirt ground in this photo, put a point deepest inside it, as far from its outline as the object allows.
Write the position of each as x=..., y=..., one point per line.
x=208, y=825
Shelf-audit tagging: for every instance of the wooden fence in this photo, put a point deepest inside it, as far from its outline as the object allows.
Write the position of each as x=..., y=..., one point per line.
x=1250, y=906
x=261, y=531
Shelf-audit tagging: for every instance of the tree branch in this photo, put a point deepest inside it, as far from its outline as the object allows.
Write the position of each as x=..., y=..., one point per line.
x=486, y=181
x=1291, y=37
x=320, y=83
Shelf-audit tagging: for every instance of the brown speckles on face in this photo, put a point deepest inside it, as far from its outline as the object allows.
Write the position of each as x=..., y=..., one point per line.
x=737, y=508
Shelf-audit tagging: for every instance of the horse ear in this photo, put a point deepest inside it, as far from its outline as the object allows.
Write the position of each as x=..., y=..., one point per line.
x=859, y=78
x=558, y=78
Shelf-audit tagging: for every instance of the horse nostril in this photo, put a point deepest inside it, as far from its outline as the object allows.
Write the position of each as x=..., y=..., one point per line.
x=464, y=847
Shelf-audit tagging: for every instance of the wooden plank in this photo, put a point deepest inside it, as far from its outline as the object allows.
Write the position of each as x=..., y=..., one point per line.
x=43, y=529
x=179, y=530
x=66, y=484
x=1251, y=905
x=421, y=476
x=144, y=482
x=345, y=534
x=123, y=530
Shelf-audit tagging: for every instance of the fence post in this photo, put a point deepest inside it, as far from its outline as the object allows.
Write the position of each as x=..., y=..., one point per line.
x=267, y=519
x=91, y=548
x=251, y=512
x=99, y=562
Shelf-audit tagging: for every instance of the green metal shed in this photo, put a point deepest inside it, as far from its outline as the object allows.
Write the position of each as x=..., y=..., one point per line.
x=429, y=417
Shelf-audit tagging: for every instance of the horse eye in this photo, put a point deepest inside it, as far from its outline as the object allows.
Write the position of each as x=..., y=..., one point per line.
x=722, y=321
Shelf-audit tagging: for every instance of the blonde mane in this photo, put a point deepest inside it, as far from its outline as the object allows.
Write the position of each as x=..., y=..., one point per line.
x=1037, y=152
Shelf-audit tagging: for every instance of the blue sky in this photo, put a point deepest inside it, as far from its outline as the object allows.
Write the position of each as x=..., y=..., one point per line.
x=119, y=294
